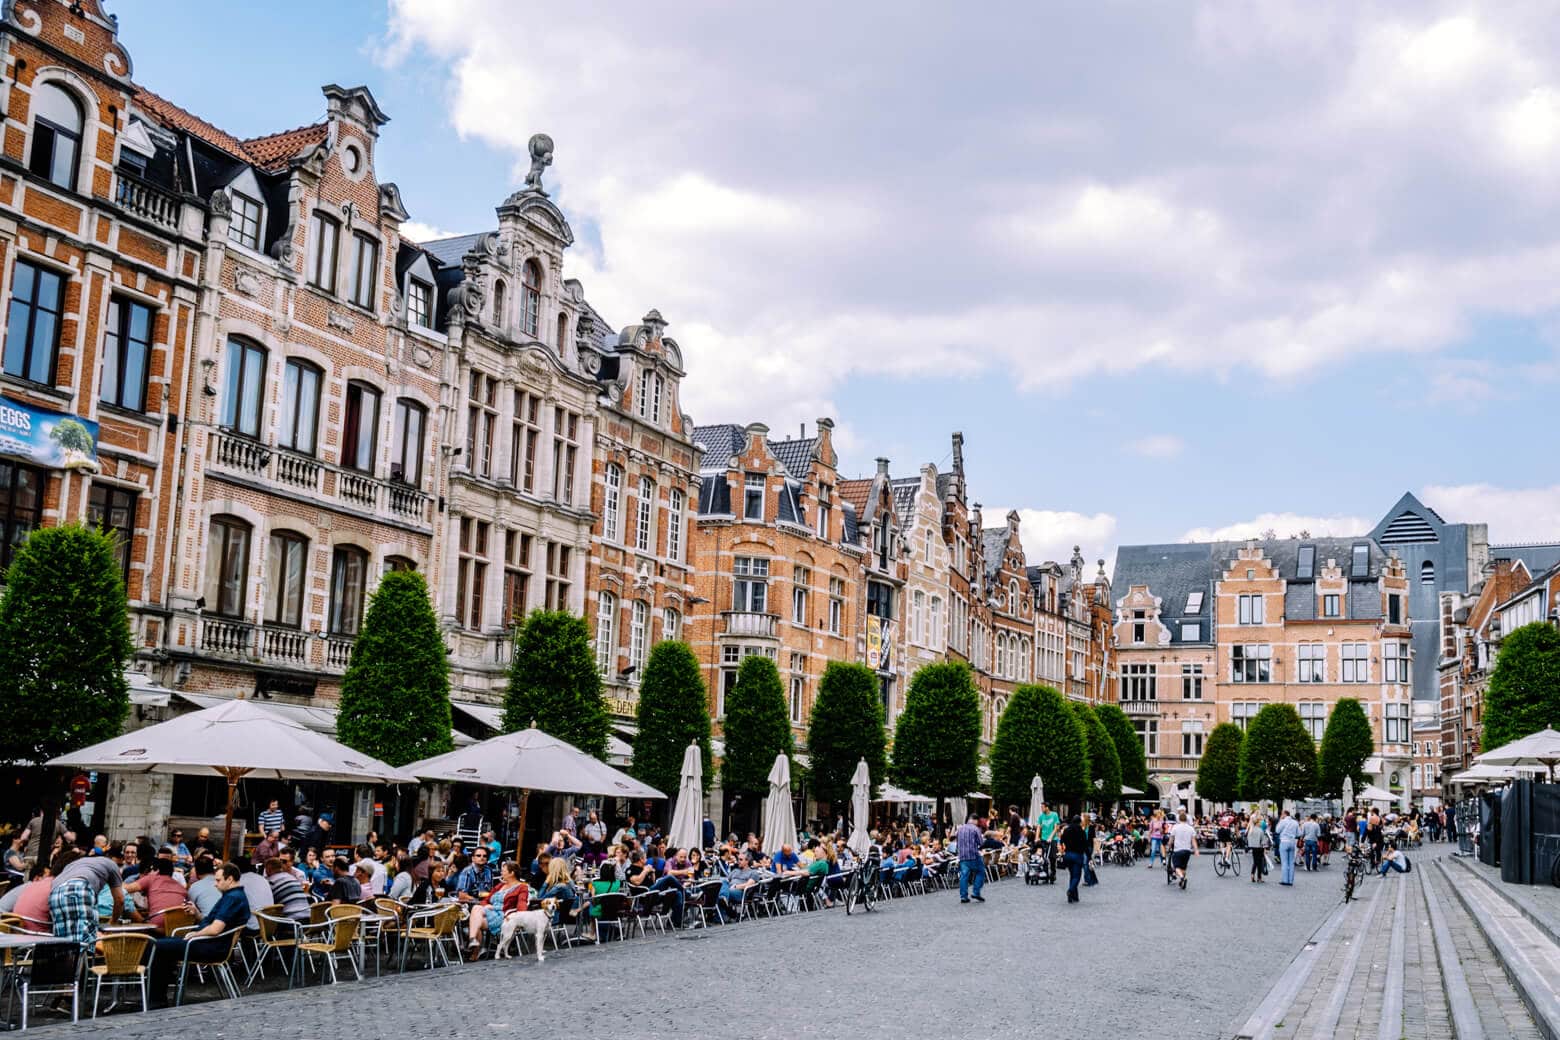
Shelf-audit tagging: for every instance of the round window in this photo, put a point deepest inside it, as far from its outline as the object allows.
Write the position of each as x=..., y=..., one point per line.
x=351, y=159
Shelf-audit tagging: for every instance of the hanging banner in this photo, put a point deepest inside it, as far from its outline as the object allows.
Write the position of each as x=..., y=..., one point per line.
x=52, y=440
x=880, y=642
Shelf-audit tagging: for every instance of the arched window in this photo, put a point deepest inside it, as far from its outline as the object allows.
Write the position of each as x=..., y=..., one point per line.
x=1427, y=573
x=56, y=142
x=227, y=566
x=244, y=387
x=606, y=632
x=1014, y=603
x=399, y=563
x=531, y=299
x=671, y=624
x=612, y=501
x=286, y=565
x=674, y=527
x=348, y=582
x=563, y=334
x=644, y=527
x=498, y=303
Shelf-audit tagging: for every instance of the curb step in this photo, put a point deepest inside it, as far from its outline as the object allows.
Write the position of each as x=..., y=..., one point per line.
x=1544, y=922
x=1527, y=953
x=1454, y=981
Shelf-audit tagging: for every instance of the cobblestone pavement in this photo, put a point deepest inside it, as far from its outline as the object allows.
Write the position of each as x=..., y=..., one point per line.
x=1135, y=958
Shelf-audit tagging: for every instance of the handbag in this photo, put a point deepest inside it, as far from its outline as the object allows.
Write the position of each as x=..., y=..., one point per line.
x=1089, y=877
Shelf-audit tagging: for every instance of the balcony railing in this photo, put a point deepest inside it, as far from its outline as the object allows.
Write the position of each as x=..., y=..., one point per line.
x=744, y=623
x=147, y=200
x=359, y=489
x=232, y=638
x=1140, y=707
x=338, y=651
x=299, y=471
x=240, y=453
x=407, y=502
x=287, y=645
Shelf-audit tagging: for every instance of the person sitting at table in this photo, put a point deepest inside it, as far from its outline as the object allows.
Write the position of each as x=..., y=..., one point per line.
x=736, y=884
x=537, y=875
x=231, y=911
x=317, y=873
x=698, y=870
x=30, y=901
x=564, y=845
x=344, y=887
x=266, y=847
x=475, y=882
x=129, y=861
x=158, y=892
x=488, y=916
x=286, y=889
x=204, y=845
x=640, y=873
x=182, y=860
x=203, y=892
x=675, y=880
x=431, y=889
x=258, y=891
x=401, y=880
x=559, y=885
x=655, y=855
x=606, y=882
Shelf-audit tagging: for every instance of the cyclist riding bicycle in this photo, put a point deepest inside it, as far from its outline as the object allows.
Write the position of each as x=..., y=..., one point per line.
x=1225, y=835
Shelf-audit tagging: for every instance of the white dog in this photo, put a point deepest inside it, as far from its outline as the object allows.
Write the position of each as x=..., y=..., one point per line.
x=532, y=922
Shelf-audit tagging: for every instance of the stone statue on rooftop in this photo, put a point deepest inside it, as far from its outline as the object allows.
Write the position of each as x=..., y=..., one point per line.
x=541, y=158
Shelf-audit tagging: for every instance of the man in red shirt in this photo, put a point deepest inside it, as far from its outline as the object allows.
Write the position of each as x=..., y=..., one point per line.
x=160, y=890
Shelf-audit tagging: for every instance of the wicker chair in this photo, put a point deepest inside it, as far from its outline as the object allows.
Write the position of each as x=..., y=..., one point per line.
x=177, y=919
x=341, y=935
x=277, y=934
x=220, y=963
x=439, y=927
x=126, y=962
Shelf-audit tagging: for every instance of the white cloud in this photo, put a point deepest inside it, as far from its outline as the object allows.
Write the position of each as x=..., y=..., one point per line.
x=1514, y=514
x=1157, y=446
x=417, y=231
x=1050, y=534
x=1284, y=525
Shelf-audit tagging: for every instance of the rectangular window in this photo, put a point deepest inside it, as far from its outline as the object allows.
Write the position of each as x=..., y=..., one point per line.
x=644, y=525
x=1251, y=610
x=1191, y=632
x=1396, y=724
x=524, y=434
x=824, y=507
x=411, y=420
x=1138, y=682
x=1332, y=605
x=517, y=575
x=1191, y=682
x=1139, y=627
x=244, y=227
x=1360, y=567
x=360, y=428
x=348, y=577
x=1148, y=733
x=1312, y=663
x=324, y=244
x=1394, y=609
x=244, y=387
x=286, y=562
x=753, y=497
x=1355, y=661
x=559, y=557
x=113, y=509
x=606, y=637
x=648, y=398
x=674, y=525
x=671, y=624
x=801, y=577
x=32, y=335
x=798, y=686
x=1252, y=663
x=566, y=431
x=1191, y=739
x=1194, y=603
x=880, y=600
x=1242, y=712
x=1305, y=567
x=836, y=605
x=730, y=660
x=750, y=585
x=481, y=418
x=300, y=406
x=611, y=500
x=638, y=638
x=56, y=143
x=227, y=567
x=365, y=271
x=471, y=572
x=918, y=617
x=1395, y=662
x=935, y=623
x=127, y=352
x=419, y=303
x=1313, y=715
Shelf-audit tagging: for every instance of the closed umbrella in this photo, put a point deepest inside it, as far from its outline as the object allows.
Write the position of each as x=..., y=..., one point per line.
x=1348, y=793
x=779, y=824
x=960, y=810
x=1036, y=797
x=235, y=739
x=1535, y=749
x=685, y=833
x=860, y=793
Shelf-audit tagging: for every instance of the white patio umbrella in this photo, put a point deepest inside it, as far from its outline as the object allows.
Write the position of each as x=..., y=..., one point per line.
x=685, y=832
x=530, y=760
x=1125, y=789
x=1348, y=793
x=235, y=739
x=1036, y=797
x=897, y=795
x=959, y=809
x=1372, y=793
x=860, y=793
x=1535, y=749
x=779, y=824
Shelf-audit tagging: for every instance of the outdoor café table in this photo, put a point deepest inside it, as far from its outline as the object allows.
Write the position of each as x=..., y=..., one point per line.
x=370, y=925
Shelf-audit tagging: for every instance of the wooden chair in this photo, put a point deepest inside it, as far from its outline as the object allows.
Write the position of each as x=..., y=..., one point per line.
x=126, y=962
x=341, y=934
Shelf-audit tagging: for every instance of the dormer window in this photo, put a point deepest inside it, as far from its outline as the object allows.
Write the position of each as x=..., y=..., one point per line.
x=245, y=225
x=531, y=299
x=419, y=303
x=56, y=142
x=1361, y=564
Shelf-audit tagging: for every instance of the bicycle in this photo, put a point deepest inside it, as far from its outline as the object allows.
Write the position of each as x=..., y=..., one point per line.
x=1228, y=862
x=863, y=885
x=1355, y=872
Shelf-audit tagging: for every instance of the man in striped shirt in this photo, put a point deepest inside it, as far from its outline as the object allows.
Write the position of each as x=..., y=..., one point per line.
x=972, y=871
x=271, y=819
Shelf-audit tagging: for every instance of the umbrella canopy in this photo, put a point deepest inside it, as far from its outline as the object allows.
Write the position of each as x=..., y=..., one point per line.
x=1484, y=773
x=531, y=760
x=685, y=832
x=1535, y=749
x=1036, y=797
x=890, y=793
x=236, y=739
x=1129, y=790
x=860, y=793
x=779, y=824
x=1372, y=793
x=958, y=808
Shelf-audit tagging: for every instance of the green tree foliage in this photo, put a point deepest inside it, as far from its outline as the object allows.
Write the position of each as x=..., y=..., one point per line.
x=1346, y=744
x=1129, y=746
x=1038, y=734
x=937, y=737
x=1278, y=757
x=846, y=726
x=72, y=436
x=1104, y=763
x=673, y=712
x=1218, y=772
x=395, y=697
x=1524, y=691
x=64, y=641
x=757, y=728
x=553, y=682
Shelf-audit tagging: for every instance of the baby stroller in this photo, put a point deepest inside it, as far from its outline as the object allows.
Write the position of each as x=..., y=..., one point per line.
x=1040, y=868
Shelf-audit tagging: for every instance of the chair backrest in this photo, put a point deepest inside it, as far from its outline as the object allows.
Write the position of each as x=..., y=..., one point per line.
x=318, y=912
x=231, y=937
x=448, y=921
x=344, y=931
x=175, y=918
x=54, y=964
x=610, y=906
x=336, y=913
x=391, y=908
x=124, y=952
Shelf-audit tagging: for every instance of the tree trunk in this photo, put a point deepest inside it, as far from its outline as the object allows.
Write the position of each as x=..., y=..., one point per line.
x=49, y=814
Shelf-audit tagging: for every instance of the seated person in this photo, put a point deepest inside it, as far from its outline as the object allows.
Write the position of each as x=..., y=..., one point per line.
x=345, y=888
x=785, y=861
x=30, y=902
x=640, y=873
x=1393, y=859
x=510, y=894
x=559, y=885
x=286, y=889
x=204, y=893
x=231, y=911
x=430, y=890
x=158, y=891
x=741, y=878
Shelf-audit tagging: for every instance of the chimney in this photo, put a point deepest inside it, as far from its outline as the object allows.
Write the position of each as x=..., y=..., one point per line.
x=882, y=465
x=958, y=453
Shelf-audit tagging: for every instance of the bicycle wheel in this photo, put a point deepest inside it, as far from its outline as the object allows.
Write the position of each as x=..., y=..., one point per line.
x=1235, y=862
x=1220, y=865
x=1349, y=878
x=852, y=891
x=869, y=892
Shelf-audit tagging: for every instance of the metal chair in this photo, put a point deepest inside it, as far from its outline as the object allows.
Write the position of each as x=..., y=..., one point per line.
x=277, y=933
x=220, y=963
x=126, y=962
x=54, y=970
x=438, y=927
x=609, y=909
x=703, y=901
x=341, y=940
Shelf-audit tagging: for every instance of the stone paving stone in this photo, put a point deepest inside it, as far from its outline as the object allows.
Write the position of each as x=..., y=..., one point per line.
x=1500, y=1009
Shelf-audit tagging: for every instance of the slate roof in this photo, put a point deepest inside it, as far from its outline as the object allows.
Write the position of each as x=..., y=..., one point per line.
x=1539, y=557
x=720, y=442
x=848, y=514
x=795, y=454
x=905, y=489
x=993, y=543
x=448, y=251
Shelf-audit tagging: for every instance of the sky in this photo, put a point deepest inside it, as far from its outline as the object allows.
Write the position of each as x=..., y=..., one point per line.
x=1175, y=270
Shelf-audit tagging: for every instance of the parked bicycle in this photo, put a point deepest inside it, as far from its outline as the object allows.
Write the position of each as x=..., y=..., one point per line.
x=1357, y=869
x=863, y=887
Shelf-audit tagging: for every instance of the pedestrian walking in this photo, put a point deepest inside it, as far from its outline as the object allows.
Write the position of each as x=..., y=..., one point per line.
x=1288, y=834
x=1183, y=846
x=1156, y=838
x=1075, y=853
x=1257, y=843
x=972, y=870
x=1311, y=835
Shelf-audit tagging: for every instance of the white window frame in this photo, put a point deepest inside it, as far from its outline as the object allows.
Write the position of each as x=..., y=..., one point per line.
x=674, y=525
x=1354, y=662
x=644, y=516
x=612, y=502
x=638, y=638
x=606, y=632
x=1251, y=609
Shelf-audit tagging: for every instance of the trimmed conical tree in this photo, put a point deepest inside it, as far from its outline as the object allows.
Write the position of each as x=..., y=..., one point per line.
x=1218, y=772
x=757, y=728
x=1129, y=746
x=1524, y=691
x=553, y=682
x=1346, y=744
x=1104, y=763
x=846, y=727
x=937, y=737
x=1038, y=734
x=395, y=697
x=1278, y=757
x=64, y=641
x=673, y=712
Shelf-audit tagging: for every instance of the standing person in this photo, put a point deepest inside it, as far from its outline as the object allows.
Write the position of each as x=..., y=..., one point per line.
x=1288, y=834
x=1183, y=846
x=1311, y=835
x=271, y=818
x=1376, y=836
x=73, y=900
x=1156, y=838
x=1075, y=853
x=1046, y=826
x=972, y=870
x=1258, y=842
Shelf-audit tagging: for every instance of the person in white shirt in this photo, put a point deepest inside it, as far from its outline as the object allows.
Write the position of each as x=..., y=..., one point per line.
x=1183, y=846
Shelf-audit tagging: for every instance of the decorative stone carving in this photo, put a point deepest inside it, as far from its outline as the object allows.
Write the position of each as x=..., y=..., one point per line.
x=541, y=157
x=282, y=248
x=221, y=204
x=246, y=281
x=390, y=203
x=422, y=357
x=337, y=320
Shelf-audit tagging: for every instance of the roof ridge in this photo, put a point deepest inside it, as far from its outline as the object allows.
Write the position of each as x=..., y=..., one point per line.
x=143, y=94
x=283, y=133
